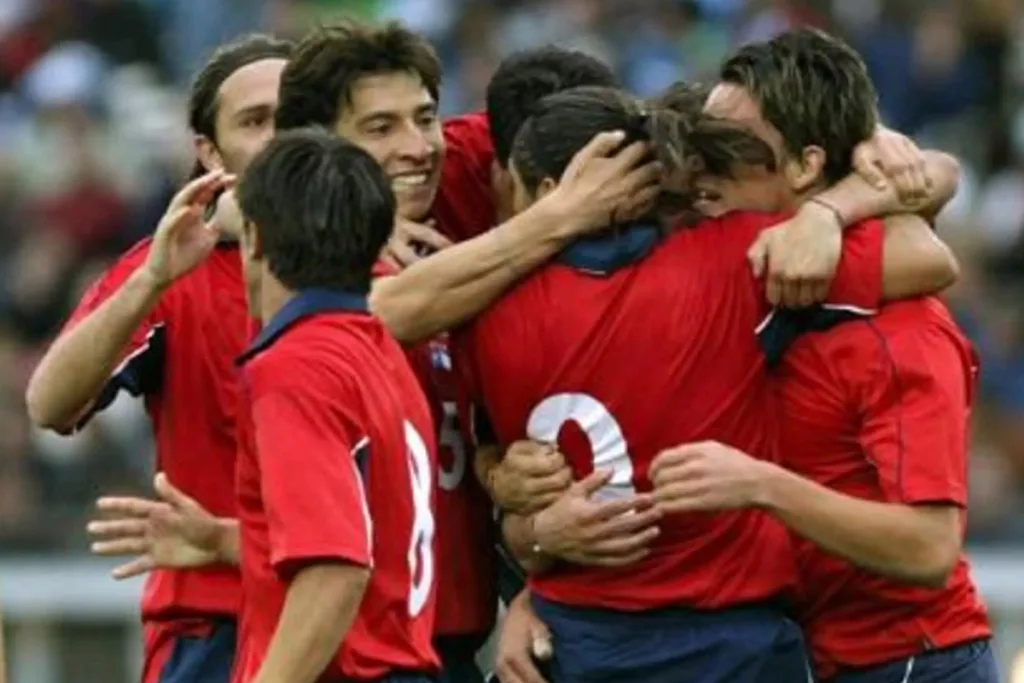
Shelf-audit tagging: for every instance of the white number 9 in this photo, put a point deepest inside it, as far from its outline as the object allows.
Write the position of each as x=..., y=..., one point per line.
x=607, y=442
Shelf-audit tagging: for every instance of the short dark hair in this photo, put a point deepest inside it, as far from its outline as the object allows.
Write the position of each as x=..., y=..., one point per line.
x=226, y=60
x=524, y=78
x=322, y=207
x=814, y=89
x=683, y=140
x=328, y=62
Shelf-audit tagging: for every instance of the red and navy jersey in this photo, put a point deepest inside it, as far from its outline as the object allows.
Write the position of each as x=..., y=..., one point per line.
x=467, y=587
x=464, y=206
x=614, y=368
x=879, y=409
x=337, y=463
x=181, y=362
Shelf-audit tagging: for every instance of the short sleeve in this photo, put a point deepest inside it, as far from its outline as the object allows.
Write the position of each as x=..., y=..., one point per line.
x=858, y=280
x=312, y=486
x=464, y=206
x=915, y=412
x=140, y=371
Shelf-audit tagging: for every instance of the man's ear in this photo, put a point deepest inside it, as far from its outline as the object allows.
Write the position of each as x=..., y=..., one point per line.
x=207, y=153
x=251, y=241
x=807, y=170
x=545, y=187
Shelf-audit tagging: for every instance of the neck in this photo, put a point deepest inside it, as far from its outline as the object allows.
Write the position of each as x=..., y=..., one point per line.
x=273, y=297
x=799, y=199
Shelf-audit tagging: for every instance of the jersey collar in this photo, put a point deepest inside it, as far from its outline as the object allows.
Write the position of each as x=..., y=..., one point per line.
x=306, y=303
x=604, y=254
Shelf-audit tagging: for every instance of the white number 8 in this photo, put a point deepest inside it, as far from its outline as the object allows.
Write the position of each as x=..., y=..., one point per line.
x=607, y=442
x=421, y=546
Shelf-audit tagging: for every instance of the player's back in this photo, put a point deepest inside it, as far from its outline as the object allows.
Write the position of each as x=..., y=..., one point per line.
x=830, y=385
x=371, y=394
x=615, y=369
x=181, y=362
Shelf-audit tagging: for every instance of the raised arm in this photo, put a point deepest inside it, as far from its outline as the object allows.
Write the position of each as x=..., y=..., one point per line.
x=81, y=362
x=441, y=292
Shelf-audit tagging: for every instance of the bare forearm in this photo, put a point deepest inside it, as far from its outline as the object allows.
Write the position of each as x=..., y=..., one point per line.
x=518, y=532
x=229, y=545
x=80, y=362
x=321, y=604
x=880, y=537
x=856, y=200
x=442, y=292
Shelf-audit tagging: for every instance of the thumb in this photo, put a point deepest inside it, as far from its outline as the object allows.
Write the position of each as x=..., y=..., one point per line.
x=540, y=639
x=757, y=255
x=592, y=483
x=170, y=494
x=871, y=172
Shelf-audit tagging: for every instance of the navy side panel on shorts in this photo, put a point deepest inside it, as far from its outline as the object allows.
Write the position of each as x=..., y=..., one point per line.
x=202, y=659
x=741, y=645
x=969, y=663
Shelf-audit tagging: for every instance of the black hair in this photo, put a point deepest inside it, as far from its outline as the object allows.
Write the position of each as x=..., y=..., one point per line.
x=525, y=78
x=203, y=99
x=683, y=140
x=322, y=207
x=329, y=61
x=814, y=89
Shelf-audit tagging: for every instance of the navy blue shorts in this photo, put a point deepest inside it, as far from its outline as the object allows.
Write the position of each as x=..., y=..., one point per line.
x=969, y=663
x=754, y=644
x=458, y=658
x=201, y=659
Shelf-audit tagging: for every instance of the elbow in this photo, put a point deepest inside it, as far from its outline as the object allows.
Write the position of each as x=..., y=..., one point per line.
x=933, y=562
x=40, y=411
x=946, y=267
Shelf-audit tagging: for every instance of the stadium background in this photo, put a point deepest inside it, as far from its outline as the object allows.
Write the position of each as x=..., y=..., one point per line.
x=92, y=141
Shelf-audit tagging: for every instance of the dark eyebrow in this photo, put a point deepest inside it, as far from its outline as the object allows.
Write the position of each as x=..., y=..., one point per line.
x=252, y=109
x=391, y=116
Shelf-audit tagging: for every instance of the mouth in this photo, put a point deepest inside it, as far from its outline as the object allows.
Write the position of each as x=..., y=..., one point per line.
x=412, y=181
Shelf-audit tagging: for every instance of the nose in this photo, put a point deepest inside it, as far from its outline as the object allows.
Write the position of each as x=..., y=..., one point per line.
x=415, y=144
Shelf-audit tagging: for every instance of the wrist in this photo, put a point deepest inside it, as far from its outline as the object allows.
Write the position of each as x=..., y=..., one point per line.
x=770, y=479
x=824, y=211
x=565, y=220
x=227, y=549
x=148, y=282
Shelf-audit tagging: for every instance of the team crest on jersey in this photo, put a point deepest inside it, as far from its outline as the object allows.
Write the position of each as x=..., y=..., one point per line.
x=440, y=359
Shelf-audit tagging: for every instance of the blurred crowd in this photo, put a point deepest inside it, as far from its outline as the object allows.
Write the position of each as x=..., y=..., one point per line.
x=93, y=141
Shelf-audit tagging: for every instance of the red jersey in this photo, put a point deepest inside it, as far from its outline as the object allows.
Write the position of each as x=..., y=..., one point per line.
x=467, y=592
x=658, y=353
x=464, y=206
x=181, y=361
x=878, y=409
x=337, y=438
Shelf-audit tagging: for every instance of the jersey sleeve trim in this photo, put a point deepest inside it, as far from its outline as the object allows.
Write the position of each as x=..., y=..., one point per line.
x=782, y=327
x=139, y=374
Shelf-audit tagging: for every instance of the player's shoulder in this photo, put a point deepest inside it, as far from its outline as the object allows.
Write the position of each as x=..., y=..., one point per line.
x=312, y=350
x=468, y=134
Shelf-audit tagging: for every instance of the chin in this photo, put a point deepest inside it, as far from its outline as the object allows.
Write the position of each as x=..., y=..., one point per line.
x=416, y=206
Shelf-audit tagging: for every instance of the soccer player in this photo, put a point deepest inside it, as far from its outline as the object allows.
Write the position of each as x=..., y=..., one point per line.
x=165, y=323
x=336, y=436
x=874, y=434
x=679, y=315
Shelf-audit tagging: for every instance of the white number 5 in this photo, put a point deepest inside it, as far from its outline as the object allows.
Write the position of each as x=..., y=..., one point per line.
x=603, y=432
x=421, y=546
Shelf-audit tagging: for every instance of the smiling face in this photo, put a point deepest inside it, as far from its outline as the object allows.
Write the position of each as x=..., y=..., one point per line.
x=394, y=118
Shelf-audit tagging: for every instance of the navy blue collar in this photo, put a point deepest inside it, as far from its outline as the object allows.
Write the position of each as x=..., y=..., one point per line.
x=605, y=253
x=306, y=303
